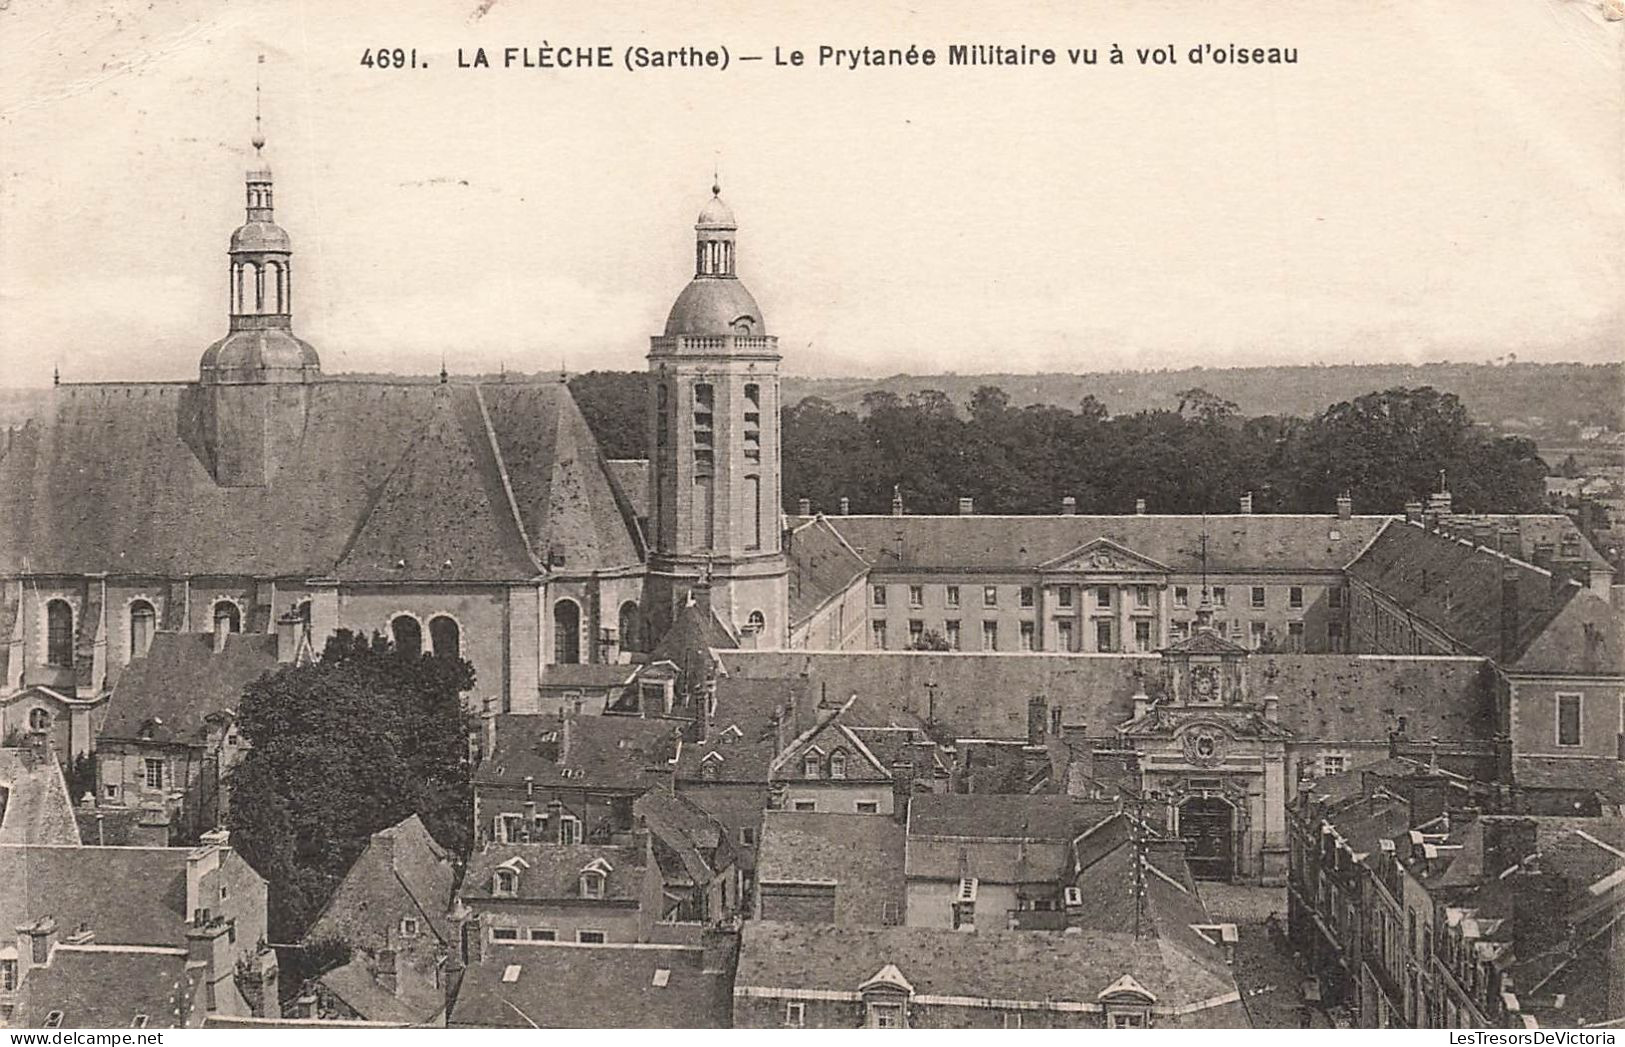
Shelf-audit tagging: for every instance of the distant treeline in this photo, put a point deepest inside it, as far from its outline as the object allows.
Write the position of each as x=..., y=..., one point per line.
x=1200, y=455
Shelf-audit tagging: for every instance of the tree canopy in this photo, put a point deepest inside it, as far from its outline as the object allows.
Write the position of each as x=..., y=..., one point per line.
x=340, y=749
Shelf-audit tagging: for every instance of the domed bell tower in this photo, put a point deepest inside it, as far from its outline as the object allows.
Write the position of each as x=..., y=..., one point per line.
x=257, y=380
x=714, y=407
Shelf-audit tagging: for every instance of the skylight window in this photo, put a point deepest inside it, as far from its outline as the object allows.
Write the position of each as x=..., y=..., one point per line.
x=510, y=973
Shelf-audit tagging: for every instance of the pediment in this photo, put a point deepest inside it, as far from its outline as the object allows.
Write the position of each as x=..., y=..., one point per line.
x=1103, y=554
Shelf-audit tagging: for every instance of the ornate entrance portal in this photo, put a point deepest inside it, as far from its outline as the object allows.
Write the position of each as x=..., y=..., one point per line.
x=1208, y=828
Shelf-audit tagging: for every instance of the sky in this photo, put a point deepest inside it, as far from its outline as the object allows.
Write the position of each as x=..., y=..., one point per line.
x=1432, y=180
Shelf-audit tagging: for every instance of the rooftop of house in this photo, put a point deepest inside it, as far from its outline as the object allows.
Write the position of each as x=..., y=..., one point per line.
x=822, y=566
x=415, y=1000
x=619, y=753
x=861, y=855
x=553, y=872
x=401, y=874
x=182, y=684
x=34, y=803
x=1600, y=775
x=390, y=481
x=548, y=985
x=108, y=987
x=587, y=676
x=1001, y=968
x=1000, y=838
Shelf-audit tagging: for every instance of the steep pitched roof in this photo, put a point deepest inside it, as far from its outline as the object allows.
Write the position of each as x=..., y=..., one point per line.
x=416, y=1001
x=552, y=872
x=113, y=478
x=1235, y=543
x=34, y=802
x=589, y=752
x=822, y=566
x=402, y=872
x=101, y=987
x=997, y=837
x=170, y=695
x=75, y=885
x=561, y=986
x=860, y=854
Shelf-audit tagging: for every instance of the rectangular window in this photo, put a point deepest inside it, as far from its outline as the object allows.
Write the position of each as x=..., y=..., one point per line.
x=1065, y=631
x=990, y=636
x=1220, y=597
x=951, y=629
x=1182, y=596
x=8, y=975
x=1332, y=763
x=877, y=595
x=951, y=596
x=1064, y=596
x=804, y=805
x=877, y=633
x=747, y=836
x=1026, y=596
x=590, y=937
x=155, y=774
x=795, y=1015
x=1027, y=636
x=543, y=934
x=1142, y=636
x=1294, y=596
x=1294, y=634
x=916, y=633
x=1103, y=596
x=1334, y=596
x=1012, y=1019
x=1142, y=596
x=990, y=596
x=1103, y=635
x=1256, y=633
x=868, y=807
x=1258, y=596
x=1182, y=630
x=1568, y=719
x=753, y=505
x=916, y=596
x=504, y=934
x=885, y=1016
x=1334, y=636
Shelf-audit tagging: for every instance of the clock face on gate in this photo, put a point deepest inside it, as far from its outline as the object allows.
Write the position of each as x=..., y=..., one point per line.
x=1205, y=683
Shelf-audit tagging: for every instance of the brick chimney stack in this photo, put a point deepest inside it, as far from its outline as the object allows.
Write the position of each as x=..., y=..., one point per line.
x=1069, y=506
x=1345, y=506
x=803, y=506
x=967, y=507
x=1247, y=504
x=846, y=506
x=1139, y=507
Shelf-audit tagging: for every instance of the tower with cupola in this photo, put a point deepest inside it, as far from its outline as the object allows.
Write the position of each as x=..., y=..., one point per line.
x=714, y=448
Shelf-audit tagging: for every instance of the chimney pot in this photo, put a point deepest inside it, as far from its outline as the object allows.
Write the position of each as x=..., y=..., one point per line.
x=1345, y=506
x=804, y=506
x=1069, y=506
x=846, y=506
x=967, y=506
x=1139, y=506
x=1413, y=511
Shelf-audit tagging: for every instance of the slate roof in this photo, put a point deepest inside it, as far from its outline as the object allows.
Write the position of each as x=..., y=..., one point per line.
x=633, y=477
x=822, y=566
x=587, y=675
x=1003, y=837
x=402, y=872
x=861, y=854
x=1601, y=775
x=74, y=884
x=742, y=730
x=1461, y=588
x=97, y=987
x=621, y=753
x=1032, y=966
x=34, y=802
x=418, y=1001
x=695, y=629
x=1328, y=697
x=182, y=683
x=551, y=871
x=564, y=986
x=1251, y=543
x=113, y=478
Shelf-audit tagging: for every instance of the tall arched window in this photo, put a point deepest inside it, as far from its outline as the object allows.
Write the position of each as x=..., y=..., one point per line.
x=566, y=633
x=408, y=635
x=757, y=622
x=445, y=638
x=227, y=618
x=59, y=634
x=631, y=627
x=143, y=619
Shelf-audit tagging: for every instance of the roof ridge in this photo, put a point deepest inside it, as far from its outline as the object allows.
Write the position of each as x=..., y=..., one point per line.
x=507, y=485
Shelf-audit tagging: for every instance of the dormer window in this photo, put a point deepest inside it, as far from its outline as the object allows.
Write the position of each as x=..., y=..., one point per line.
x=1127, y=1004
x=506, y=883
x=592, y=885
x=809, y=766
x=409, y=927
x=837, y=765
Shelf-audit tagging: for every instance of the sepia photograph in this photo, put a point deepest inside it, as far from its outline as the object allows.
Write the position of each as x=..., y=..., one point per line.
x=812, y=516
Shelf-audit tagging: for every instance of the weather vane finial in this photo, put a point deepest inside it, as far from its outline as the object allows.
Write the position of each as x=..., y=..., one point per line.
x=259, y=136
x=716, y=174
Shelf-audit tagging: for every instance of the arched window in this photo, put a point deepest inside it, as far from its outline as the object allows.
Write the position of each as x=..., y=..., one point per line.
x=39, y=719
x=143, y=618
x=631, y=627
x=444, y=637
x=566, y=633
x=227, y=618
x=273, y=288
x=408, y=635
x=59, y=634
x=757, y=622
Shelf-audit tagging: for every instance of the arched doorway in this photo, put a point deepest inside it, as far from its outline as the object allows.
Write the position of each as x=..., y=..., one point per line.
x=566, y=633
x=1208, y=827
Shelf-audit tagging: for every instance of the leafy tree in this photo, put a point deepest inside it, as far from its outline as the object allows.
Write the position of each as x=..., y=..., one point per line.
x=340, y=749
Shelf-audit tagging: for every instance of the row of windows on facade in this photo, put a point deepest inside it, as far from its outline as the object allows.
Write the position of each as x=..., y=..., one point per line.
x=143, y=623
x=1106, y=634
x=544, y=934
x=893, y=1016
x=1066, y=595
x=590, y=884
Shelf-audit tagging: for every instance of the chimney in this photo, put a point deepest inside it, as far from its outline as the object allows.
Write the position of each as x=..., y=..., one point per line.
x=1539, y=917
x=1413, y=512
x=902, y=785
x=1142, y=703
x=1507, y=841
x=152, y=827
x=35, y=943
x=555, y=821
x=386, y=972
x=1345, y=506
x=528, y=833
x=306, y=1007
x=82, y=936
x=1247, y=504
x=1139, y=507
x=1439, y=504
x=896, y=501
x=1069, y=506
x=287, y=637
x=1272, y=708
x=208, y=945
x=1544, y=553
x=846, y=506
x=967, y=507
x=719, y=950
x=530, y=788
x=1510, y=623
x=803, y=506
x=1037, y=719
x=269, y=982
